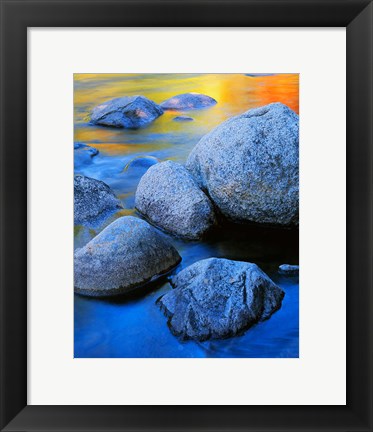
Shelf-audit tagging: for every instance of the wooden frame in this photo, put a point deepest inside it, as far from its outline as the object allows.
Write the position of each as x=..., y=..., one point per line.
x=16, y=17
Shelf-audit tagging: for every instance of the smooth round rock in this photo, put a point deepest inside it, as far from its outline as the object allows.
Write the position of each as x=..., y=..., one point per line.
x=129, y=112
x=249, y=166
x=92, y=200
x=217, y=298
x=124, y=256
x=188, y=101
x=140, y=163
x=169, y=197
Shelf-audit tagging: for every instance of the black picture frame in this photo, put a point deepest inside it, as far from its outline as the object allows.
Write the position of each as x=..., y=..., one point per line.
x=16, y=17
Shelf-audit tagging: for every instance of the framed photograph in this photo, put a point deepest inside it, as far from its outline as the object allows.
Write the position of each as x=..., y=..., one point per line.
x=186, y=215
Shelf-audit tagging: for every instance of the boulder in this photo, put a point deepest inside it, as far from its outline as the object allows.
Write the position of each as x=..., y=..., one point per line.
x=188, y=101
x=218, y=298
x=83, y=154
x=169, y=197
x=93, y=199
x=129, y=112
x=249, y=166
x=124, y=256
x=289, y=270
x=183, y=119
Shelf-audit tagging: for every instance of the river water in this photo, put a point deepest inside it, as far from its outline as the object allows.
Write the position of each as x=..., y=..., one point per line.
x=133, y=326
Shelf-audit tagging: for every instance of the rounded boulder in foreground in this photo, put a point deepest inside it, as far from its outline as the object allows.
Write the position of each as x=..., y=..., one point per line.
x=188, y=101
x=92, y=200
x=129, y=112
x=170, y=198
x=124, y=256
x=217, y=298
x=249, y=165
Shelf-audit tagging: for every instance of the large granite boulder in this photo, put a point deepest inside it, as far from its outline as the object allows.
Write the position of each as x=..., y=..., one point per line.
x=169, y=197
x=124, y=256
x=249, y=166
x=93, y=199
x=188, y=101
x=129, y=112
x=218, y=298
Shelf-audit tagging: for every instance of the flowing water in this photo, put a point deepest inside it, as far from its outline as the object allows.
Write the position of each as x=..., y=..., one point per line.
x=133, y=326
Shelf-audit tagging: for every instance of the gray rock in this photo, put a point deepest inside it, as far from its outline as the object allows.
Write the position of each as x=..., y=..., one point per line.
x=170, y=198
x=83, y=154
x=218, y=298
x=93, y=199
x=287, y=269
x=124, y=256
x=183, y=119
x=249, y=166
x=129, y=112
x=188, y=101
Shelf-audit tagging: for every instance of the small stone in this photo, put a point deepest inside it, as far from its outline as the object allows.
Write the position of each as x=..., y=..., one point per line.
x=188, y=101
x=290, y=270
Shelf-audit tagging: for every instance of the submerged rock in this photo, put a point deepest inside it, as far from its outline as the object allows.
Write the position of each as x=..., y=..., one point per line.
x=188, y=101
x=83, y=154
x=259, y=74
x=129, y=112
x=183, y=119
x=140, y=163
x=290, y=270
x=217, y=298
x=92, y=199
x=249, y=166
x=124, y=256
x=170, y=198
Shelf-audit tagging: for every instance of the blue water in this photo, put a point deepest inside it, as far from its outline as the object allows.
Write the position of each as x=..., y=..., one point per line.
x=133, y=325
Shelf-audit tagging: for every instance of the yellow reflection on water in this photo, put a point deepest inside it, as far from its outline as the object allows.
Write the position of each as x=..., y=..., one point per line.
x=235, y=93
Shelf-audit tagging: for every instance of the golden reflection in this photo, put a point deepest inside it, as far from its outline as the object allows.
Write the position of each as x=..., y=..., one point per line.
x=235, y=93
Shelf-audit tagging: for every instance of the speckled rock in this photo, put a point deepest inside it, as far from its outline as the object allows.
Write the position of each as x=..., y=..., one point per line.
x=290, y=270
x=169, y=197
x=249, y=166
x=183, y=119
x=188, y=101
x=218, y=298
x=93, y=199
x=124, y=256
x=129, y=112
x=83, y=154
